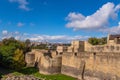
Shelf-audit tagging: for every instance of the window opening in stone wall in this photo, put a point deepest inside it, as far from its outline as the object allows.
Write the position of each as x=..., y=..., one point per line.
x=75, y=54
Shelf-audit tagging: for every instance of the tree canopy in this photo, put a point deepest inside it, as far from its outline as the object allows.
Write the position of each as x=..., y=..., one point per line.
x=97, y=41
x=12, y=53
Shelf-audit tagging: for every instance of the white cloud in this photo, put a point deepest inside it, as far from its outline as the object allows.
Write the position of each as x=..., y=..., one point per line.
x=112, y=30
x=117, y=7
x=75, y=16
x=119, y=23
x=22, y=4
x=4, y=32
x=42, y=38
x=20, y=24
x=100, y=19
x=57, y=38
x=16, y=32
x=17, y=37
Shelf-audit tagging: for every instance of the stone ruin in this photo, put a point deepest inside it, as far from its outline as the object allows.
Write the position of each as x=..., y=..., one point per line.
x=48, y=62
x=80, y=60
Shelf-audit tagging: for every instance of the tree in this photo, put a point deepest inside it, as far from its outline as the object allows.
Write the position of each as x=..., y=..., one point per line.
x=93, y=41
x=18, y=59
x=27, y=45
x=27, y=42
x=11, y=53
x=97, y=41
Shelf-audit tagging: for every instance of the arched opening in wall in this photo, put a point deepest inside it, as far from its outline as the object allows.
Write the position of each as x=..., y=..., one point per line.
x=94, y=55
x=75, y=54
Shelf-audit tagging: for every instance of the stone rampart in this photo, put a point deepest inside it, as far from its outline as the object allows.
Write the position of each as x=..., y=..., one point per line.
x=103, y=66
x=95, y=65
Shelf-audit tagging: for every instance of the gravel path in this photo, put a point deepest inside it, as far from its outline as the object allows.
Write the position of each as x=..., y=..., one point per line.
x=24, y=77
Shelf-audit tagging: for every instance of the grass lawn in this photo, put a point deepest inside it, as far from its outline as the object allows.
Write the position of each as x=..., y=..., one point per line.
x=54, y=77
x=34, y=72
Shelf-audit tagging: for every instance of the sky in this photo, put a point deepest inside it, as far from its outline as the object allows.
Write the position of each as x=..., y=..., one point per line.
x=58, y=20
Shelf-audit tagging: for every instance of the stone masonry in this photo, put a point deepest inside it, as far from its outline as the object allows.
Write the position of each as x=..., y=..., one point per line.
x=81, y=60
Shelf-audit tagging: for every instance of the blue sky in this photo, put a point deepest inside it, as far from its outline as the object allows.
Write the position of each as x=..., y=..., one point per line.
x=59, y=20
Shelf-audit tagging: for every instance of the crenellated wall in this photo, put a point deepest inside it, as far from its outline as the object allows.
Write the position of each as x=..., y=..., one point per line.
x=88, y=65
x=102, y=66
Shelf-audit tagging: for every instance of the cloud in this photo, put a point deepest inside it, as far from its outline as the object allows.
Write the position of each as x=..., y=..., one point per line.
x=56, y=38
x=112, y=30
x=4, y=32
x=42, y=38
x=16, y=32
x=22, y=4
x=20, y=24
x=100, y=19
x=117, y=8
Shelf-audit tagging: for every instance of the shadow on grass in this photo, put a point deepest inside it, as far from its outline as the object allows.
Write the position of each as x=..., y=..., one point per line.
x=25, y=71
x=4, y=70
x=28, y=70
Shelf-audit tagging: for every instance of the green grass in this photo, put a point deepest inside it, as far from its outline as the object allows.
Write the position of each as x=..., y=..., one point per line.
x=54, y=77
x=28, y=70
x=34, y=72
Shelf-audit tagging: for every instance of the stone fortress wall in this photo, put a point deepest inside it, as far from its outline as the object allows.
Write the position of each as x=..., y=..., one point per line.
x=48, y=62
x=113, y=45
x=95, y=65
x=81, y=60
